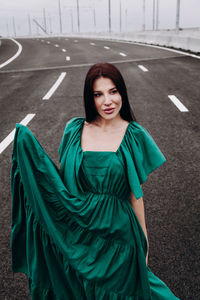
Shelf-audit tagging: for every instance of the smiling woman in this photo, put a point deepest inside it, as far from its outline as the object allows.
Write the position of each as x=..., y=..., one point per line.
x=79, y=233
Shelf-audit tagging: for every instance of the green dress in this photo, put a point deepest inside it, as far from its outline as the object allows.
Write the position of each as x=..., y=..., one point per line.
x=74, y=231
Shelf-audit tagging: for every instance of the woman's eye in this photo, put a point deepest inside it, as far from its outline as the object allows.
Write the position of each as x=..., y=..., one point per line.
x=114, y=92
x=97, y=95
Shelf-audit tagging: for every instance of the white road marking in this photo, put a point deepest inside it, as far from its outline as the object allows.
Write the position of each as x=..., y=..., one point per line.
x=66, y=39
x=48, y=42
x=14, y=56
x=55, y=86
x=178, y=103
x=64, y=50
x=92, y=44
x=122, y=54
x=106, y=47
x=6, y=142
x=75, y=41
x=56, y=45
x=42, y=40
x=67, y=58
x=143, y=68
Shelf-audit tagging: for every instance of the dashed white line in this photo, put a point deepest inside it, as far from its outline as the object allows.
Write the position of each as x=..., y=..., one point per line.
x=67, y=58
x=6, y=142
x=75, y=41
x=92, y=44
x=14, y=56
x=106, y=47
x=143, y=68
x=55, y=86
x=122, y=54
x=178, y=103
x=56, y=45
x=48, y=42
x=64, y=50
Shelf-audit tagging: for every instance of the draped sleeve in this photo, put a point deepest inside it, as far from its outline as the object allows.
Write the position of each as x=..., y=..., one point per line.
x=67, y=134
x=142, y=156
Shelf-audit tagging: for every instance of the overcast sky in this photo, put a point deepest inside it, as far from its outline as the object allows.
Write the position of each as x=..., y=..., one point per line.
x=14, y=15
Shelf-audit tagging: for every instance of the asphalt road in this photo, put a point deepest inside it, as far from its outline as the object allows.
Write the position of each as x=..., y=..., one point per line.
x=171, y=194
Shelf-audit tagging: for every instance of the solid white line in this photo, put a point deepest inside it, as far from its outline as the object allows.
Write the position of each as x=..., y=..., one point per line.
x=64, y=50
x=106, y=47
x=55, y=86
x=67, y=58
x=143, y=68
x=178, y=103
x=6, y=142
x=122, y=54
x=13, y=57
x=56, y=45
x=159, y=47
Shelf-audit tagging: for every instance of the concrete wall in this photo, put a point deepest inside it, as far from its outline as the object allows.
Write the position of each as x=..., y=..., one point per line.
x=187, y=40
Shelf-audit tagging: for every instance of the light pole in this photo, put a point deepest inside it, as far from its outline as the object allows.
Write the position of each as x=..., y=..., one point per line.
x=78, y=16
x=143, y=25
x=157, y=14
x=109, y=15
x=120, y=16
x=94, y=13
x=60, y=17
x=154, y=5
x=29, y=24
x=177, y=15
x=44, y=17
x=126, y=18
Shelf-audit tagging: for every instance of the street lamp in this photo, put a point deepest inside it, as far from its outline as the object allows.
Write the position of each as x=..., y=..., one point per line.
x=177, y=15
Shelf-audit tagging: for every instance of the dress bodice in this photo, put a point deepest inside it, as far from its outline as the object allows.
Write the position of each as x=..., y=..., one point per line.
x=103, y=172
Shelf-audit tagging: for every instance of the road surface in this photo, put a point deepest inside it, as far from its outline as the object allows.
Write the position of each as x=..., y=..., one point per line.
x=153, y=76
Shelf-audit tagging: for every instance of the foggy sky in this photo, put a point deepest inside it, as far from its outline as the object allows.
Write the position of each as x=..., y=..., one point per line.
x=14, y=13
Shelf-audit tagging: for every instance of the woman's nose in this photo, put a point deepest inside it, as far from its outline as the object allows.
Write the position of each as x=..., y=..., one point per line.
x=107, y=99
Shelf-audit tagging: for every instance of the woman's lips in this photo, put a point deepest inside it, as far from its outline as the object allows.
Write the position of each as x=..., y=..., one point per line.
x=109, y=110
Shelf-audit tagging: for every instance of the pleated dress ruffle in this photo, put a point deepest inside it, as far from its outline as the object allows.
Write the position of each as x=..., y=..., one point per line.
x=74, y=232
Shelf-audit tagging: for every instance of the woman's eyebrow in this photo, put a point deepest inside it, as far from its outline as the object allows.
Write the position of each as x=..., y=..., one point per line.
x=112, y=88
x=109, y=90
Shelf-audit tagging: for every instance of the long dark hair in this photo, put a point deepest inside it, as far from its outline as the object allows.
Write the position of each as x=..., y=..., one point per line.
x=106, y=70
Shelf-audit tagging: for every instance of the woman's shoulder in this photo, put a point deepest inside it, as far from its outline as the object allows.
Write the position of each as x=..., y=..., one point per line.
x=137, y=130
x=73, y=123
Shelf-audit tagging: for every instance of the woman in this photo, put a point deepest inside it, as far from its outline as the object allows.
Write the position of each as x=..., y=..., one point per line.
x=79, y=232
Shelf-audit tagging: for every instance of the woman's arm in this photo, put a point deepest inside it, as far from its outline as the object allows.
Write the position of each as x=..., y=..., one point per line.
x=138, y=206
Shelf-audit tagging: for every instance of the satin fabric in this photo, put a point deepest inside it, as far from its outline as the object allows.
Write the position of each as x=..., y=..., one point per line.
x=74, y=231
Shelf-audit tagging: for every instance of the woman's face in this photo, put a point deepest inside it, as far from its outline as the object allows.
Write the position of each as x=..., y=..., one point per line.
x=107, y=99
